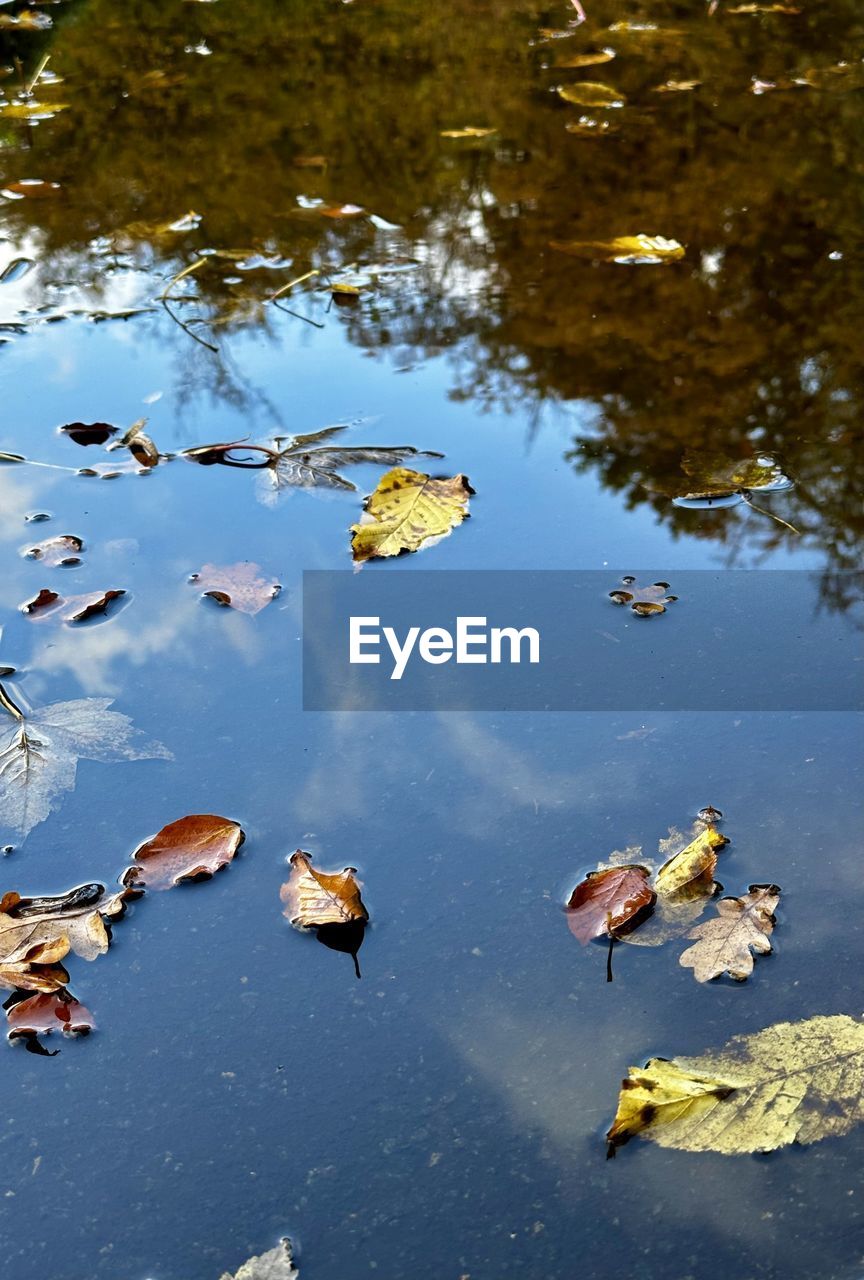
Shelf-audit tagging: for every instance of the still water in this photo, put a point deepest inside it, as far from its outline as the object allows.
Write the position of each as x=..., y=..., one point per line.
x=442, y=1117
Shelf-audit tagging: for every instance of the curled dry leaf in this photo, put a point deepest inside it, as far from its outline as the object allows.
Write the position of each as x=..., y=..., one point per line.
x=65, y=549
x=276, y=1264
x=791, y=1082
x=644, y=601
x=37, y=933
x=41, y=1014
x=609, y=903
x=192, y=848
x=318, y=898
x=49, y=604
x=725, y=945
x=588, y=93
x=407, y=510
x=638, y=250
x=87, y=433
x=690, y=873
x=236, y=586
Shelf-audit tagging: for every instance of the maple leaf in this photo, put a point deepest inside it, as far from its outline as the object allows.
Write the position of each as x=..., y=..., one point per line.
x=40, y=750
x=192, y=848
x=724, y=945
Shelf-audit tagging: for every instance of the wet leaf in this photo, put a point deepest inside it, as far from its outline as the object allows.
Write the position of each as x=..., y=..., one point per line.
x=276, y=1264
x=192, y=848
x=592, y=58
x=30, y=188
x=65, y=549
x=639, y=250
x=690, y=873
x=588, y=127
x=29, y=20
x=39, y=932
x=714, y=476
x=725, y=945
x=407, y=511
x=47, y=605
x=791, y=1082
x=677, y=86
x=139, y=444
x=28, y=109
x=41, y=1014
x=644, y=601
x=609, y=903
x=40, y=750
x=307, y=463
x=87, y=433
x=762, y=8
x=589, y=93
x=314, y=899
x=468, y=131
x=236, y=586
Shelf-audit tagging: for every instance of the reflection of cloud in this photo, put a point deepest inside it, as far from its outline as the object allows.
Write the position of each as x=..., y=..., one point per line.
x=18, y=495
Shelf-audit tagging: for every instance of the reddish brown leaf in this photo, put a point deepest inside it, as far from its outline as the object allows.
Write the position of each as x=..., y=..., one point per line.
x=192, y=848
x=39, y=1015
x=237, y=586
x=64, y=549
x=317, y=898
x=611, y=902
x=32, y=189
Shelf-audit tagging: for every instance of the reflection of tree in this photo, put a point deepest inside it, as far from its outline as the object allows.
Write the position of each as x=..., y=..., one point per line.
x=752, y=342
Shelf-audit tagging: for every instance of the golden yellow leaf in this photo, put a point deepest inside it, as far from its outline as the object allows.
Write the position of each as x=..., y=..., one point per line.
x=408, y=509
x=589, y=93
x=691, y=872
x=593, y=58
x=468, y=131
x=628, y=250
x=723, y=945
x=314, y=899
x=791, y=1082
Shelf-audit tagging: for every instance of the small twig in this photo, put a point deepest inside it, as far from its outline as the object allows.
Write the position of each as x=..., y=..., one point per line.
x=291, y=283
x=580, y=12
x=187, y=271
x=185, y=327
x=609, y=957
x=297, y=315
x=34, y=80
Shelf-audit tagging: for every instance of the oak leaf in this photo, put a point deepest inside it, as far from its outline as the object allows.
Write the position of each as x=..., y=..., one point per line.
x=192, y=848
x=237, y=586
x=41, y=1014
x=407, y=511
x=725, y=944
x=610, y=902
x=644, y=601
x=791, y=1082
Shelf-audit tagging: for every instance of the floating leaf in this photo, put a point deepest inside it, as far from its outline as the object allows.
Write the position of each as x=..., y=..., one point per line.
x=276, y=1264
x=36, y=933
x=28, y=109
x=677, y=86
x=314, y=899
x=714, y=476
x=192, y=848
x=690, y=873
x=29, y=20
x=639, y=250
x=29, y=188
x=589, y=93
x=87, y=433
x=407, y=510
x=468, y=131
x=65, y=549
x=16, y=270
x=48, y=605
x=236, y=586
x=724, y=945
x=609, y=903
x=41, y=1014
x=792, y=1082
x=40, y=750
x=644, y=601
x=139, y=444
x=588, y=127
x=593, y=58
x=763, y=8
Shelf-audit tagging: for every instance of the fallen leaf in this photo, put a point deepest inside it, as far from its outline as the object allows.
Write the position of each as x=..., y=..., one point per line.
x=763, y=8
x=87, y=433
x=791, y=1082
x=609, y=903
x=407, y=510
x=28, y=109
x=40, y=750
x=593, y=58
x=589, y=93
x=690, y=873
x=63, y=550
x=16, y=270
x=29, y=20
x=468, y=131
x=714, y=476
x=192, y=848
x=677, y=86
x=237, y=586
x=724, y=945
x=47, y=604
x=41, y=1014
x=276, y=1264
x=314, y=899
x=29, y=188
x=644, y=601
x=639, y=250
x=139, y=444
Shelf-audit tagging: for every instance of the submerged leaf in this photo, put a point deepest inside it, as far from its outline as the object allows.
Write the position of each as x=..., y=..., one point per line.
x=237, y=586
x=48, y=604
x=644, y=601
x=588, y=93
x=276, y=1264
x=609, y=903
x=307, y=464
x=407, y=510
x=63, y=550
x=192, y=848
x=792, y=1082
x=724, y=945
x=639, y=250
x=39, y=754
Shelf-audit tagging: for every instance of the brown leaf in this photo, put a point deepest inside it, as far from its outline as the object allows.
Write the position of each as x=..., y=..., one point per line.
x=31, y=189
x=318, y=898
x=36, y=933
x=87, y=433
x=608, y=903
x=237, y=586
x=644, y=601
x=724, y=945
x=48, y=604
x=192, y=848
x=62, y=550
x=41, y=1014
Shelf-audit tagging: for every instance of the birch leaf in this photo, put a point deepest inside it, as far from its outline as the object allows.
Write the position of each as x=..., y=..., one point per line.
x=407, y=510
x=276, y=1264
x=39, y=754
x=791, y=1082
x=725, y=944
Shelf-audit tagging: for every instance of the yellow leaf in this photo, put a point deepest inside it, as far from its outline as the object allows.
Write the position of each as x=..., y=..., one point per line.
x=588, y=93
x=407, y=510
x=594, y=58
x=469, y=131
x=791, y=1082
x=627, y=250
x=690, y=872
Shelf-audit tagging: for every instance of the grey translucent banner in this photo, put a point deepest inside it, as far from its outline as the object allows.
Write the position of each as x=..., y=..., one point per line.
x=386, y=639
